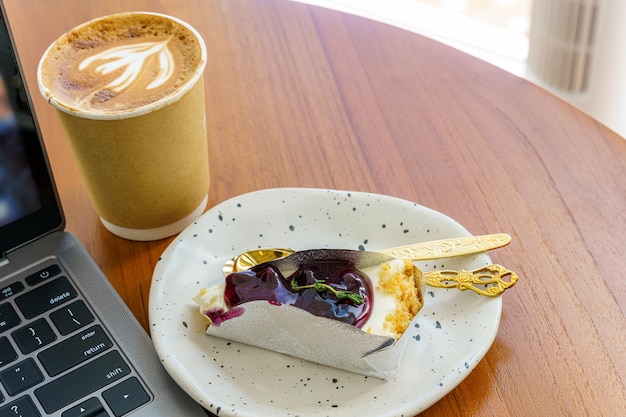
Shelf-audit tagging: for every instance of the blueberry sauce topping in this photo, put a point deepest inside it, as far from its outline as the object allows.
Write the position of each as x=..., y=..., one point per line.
x=333, y=289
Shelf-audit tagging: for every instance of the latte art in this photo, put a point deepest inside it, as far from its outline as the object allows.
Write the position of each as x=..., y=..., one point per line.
x=121, y=63
x=134, y=59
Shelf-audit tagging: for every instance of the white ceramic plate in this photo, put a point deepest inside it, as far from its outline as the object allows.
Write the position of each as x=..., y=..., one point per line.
x=449, y=337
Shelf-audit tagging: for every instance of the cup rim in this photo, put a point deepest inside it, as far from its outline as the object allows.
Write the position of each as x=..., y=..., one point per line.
x=139, y=111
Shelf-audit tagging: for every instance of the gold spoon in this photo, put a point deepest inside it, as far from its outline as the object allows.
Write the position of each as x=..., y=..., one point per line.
x=491, y=280
x=434, y=249
x=463, y=280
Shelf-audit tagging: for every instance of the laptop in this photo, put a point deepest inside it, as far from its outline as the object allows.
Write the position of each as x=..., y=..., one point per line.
x=69, y=346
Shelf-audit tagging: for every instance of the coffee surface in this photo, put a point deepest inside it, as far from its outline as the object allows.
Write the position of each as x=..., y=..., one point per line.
x=120, y=63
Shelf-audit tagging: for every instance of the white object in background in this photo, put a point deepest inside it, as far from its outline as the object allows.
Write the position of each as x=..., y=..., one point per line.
x=503, y=48
x=578, y=52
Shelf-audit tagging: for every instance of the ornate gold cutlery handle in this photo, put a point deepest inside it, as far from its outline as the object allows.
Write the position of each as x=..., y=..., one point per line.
x=489, y=280
x=450, y=247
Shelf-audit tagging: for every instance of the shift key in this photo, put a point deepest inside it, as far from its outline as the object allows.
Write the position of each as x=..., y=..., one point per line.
x=82, y=382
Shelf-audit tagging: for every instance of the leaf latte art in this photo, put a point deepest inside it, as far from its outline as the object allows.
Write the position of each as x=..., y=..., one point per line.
x=122, y=63
x=133, y=59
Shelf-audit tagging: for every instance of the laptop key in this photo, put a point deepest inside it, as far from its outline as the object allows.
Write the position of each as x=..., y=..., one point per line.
x=34, y=336
x=44, y=274
x=46, y=297
x=125, y=396
x=7, y=353
x=71, y=317
x=78, y=348
x=82, y=381
x=21, y=376
x=90, y=408
x=8, y=317
x=11, y=290
x=22, y=407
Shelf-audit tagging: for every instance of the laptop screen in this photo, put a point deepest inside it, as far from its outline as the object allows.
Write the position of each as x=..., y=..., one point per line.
x=29, y=207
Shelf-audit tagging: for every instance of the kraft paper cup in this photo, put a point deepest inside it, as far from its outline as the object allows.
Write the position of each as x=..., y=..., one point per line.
x=146, y=169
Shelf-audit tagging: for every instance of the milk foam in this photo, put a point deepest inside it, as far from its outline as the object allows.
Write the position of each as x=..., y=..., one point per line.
x=121, y=63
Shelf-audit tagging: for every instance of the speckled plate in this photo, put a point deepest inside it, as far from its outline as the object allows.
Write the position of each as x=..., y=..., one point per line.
x=449, y=337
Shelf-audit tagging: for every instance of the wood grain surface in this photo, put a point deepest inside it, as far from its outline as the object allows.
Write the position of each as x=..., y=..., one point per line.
x=303, y=96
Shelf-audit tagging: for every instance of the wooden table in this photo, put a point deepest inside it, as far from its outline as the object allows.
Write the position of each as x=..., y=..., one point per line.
x=331, y=100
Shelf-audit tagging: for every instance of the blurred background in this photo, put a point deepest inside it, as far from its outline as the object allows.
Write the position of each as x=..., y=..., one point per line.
x=575, y=49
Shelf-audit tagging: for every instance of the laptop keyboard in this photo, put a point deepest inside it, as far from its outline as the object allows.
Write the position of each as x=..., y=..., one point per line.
x=56, y=357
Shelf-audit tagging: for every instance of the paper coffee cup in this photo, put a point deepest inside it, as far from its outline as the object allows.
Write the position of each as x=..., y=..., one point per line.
x=128, y=89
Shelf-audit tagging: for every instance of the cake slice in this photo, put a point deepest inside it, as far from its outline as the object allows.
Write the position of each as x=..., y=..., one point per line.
x=325, y=310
